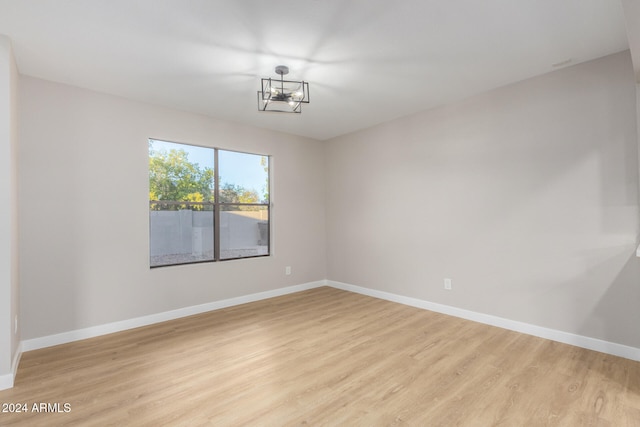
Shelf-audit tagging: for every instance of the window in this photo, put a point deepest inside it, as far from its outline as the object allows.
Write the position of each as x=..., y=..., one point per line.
x=206, y=204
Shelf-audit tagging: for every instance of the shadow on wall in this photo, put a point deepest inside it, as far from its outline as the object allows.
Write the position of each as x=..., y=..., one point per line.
x=617, y=312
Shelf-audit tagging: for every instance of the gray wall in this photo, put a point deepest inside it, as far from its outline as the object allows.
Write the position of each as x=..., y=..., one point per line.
x=172, y=232
x=9, y=291
x=185, y=231
x=84, y=161
x=526, y=196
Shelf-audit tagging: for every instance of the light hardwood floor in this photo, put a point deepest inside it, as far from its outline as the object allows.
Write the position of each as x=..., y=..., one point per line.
x=324, y=357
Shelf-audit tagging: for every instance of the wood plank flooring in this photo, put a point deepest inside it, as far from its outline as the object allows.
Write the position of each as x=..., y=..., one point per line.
x=324, y=357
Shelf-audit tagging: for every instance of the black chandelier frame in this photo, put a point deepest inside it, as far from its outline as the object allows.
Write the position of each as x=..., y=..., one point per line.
x=282, y=96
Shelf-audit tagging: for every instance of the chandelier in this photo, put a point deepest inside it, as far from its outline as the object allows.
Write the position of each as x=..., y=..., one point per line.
x=283, y=96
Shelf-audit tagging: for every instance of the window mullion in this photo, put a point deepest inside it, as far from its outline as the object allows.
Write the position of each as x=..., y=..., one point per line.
x=216, y=207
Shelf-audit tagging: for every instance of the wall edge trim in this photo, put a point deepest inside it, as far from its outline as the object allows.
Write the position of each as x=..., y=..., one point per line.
x=7, y=381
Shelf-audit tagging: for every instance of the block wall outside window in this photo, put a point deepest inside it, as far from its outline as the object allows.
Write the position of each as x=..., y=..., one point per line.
x=206, y=204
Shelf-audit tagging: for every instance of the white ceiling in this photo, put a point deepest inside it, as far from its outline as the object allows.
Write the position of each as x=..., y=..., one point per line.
x=367, y=61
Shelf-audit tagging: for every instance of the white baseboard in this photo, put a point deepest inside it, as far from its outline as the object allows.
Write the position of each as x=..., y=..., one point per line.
x=564, y=337
x=6, y=381
x=80, y=334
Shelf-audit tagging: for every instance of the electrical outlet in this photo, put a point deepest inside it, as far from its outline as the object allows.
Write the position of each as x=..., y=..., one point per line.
x=447, y=284
x=287, y=270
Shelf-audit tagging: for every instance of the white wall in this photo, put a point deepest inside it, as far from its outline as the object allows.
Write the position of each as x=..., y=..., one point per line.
x=9, y=338
x=526, y=196
x=88, y=151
